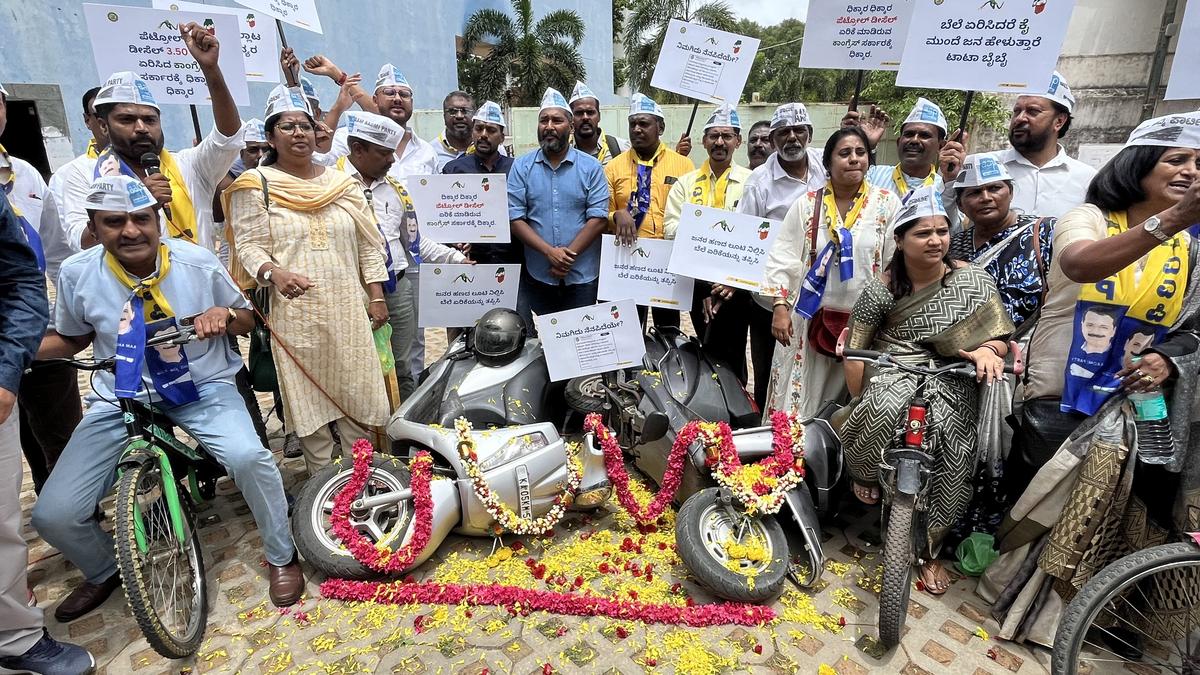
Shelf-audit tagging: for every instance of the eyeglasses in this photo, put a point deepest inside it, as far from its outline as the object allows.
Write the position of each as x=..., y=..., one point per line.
x=459, y=111
x=395, y=91
x=291, y=127
x=714, y=137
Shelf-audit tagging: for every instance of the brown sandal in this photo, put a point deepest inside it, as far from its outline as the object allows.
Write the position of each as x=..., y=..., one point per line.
x=867, y=494
x=941, y=578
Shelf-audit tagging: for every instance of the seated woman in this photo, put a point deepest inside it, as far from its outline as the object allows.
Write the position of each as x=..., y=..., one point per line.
x=1121, y=316
x=832, y=243
x=926, y=309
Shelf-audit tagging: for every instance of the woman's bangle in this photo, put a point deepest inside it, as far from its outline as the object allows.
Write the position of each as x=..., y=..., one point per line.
x=379, y=300
x=988, y=345
x=341, y=80
x=779, y=302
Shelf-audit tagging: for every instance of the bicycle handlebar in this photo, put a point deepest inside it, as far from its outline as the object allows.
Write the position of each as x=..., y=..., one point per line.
x=183, y=335
x=885, y=360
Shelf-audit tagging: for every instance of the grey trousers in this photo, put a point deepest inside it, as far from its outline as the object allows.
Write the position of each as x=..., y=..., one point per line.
x=20, y=624
x=402, y=316
x=417, y=352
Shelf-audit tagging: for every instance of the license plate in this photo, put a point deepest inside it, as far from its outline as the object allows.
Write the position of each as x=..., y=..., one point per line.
x=523, y=493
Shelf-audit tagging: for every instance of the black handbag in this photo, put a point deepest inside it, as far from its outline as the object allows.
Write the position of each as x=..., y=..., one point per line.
x=263, y=376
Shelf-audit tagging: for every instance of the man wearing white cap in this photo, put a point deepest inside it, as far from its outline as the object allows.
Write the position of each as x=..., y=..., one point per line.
x=82, y=168
x=587, y=134
x=792, y=170
x=152, y=283
x=183, y=182
x=488, y=142
x=1046, y=182
x=558, y=207
x=49, y=396
x=922, y=139
x=373, y=139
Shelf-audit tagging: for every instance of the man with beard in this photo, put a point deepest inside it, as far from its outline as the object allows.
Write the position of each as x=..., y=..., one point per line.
x=455, y=139
x=1046, y=182
x=587, y=136
x=922, y=143
x=81, y=168
x=758, y=144
x=792, y=170
x=488, y=138
x=558, y=205
x=183, y=182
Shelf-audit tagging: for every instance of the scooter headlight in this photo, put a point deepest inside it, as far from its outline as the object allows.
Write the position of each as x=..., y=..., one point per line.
x=514, y=447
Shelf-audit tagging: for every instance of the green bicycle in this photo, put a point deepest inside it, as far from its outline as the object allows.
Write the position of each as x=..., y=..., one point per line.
x=159, y=478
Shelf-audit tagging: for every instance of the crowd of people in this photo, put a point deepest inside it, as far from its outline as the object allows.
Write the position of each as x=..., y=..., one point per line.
x=304, y=220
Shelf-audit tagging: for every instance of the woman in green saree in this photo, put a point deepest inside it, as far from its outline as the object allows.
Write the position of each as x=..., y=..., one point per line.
x=926, y=310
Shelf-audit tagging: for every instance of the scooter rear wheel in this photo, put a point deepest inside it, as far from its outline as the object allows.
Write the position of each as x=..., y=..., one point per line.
x=897, y=571
x=702, y=527
x=586, y=394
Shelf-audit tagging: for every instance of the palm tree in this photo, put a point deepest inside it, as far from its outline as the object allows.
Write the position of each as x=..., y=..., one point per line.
x=526, y=57
x=646, y=26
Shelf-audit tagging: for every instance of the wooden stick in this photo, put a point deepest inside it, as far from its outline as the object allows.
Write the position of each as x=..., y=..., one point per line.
x=196, y=122
x=858, y=85
x=966, y=110
x=692, y=119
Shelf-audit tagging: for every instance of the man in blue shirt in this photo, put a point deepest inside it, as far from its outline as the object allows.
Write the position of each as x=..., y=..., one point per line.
x=24, y=643
x=487, y=139
x=558, y=205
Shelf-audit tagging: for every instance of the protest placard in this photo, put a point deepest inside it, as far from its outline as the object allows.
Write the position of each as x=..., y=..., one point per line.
x=457, y=295
x=704, y=63
x=300, y=13
x=260, y=46
x=639, y=272
x=595, y=339
x=462, y=207
x=988, y=45
x=1184, y=81
x=722, y=246
x=147, y=42
x=855, y=35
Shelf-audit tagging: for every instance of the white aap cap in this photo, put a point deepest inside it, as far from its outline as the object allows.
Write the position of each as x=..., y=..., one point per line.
x=553, y=99
x=725, y=116
x=641, y=104
x=981, y=169
x=1060, y=93
x=125, y=87
x=390, y=76
x=581, y=90
x=922, y=202
x=1170, y=131
x=284, y=99
x=309, y=90
x=490, y=112
x=118, y=193
x=374, y=128
x=927, y=112
x=254, y=131
x=790, y=115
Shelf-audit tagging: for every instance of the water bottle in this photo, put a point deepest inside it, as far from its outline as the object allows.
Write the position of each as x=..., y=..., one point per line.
x=1154, y=443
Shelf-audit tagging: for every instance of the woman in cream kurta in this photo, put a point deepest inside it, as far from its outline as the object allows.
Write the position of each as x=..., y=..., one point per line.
x=319, y=228
x=801, y=379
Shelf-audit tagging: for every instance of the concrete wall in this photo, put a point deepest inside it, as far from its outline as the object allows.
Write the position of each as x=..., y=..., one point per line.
x=45, y=42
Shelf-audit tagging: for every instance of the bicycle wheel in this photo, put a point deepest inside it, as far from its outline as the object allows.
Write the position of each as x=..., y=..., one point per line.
x=164, y=583
x=1151, y=597
x=897, y=571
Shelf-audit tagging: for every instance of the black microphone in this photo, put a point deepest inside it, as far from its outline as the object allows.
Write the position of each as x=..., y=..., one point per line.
x=150, y=164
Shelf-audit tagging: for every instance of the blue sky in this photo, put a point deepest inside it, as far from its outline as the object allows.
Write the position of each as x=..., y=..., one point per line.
x=770, y=12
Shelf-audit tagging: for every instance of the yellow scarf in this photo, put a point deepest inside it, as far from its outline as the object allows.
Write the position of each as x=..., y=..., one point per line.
x=1156, y=297
x=298, y=194
x=833, y=217
x=901, y=182
x=706, y=186
x=637, y=159
x=92, y=150
x=182, y=222
x=154, y=304
x=450, y=149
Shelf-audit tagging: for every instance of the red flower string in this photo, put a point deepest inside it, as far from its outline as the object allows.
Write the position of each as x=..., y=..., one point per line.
x=614, y=464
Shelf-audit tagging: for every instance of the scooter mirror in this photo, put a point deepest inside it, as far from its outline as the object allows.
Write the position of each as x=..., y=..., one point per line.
x=841, y=343
x=655, y=427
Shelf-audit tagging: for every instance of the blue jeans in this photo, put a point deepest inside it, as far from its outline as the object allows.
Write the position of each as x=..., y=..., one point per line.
x=535, y=297
x=65, y=511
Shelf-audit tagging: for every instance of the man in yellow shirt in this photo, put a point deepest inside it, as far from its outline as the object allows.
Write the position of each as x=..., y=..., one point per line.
x=638, y=182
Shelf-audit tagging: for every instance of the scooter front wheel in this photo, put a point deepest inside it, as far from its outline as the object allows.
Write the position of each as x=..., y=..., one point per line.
x=313, y=531
x=705, y=531
x=896, y=585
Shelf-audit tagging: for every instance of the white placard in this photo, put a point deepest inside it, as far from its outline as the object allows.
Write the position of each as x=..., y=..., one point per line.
x=990, y=45
x=596, y=339
x=260, y=46
x=462, y=208
x=855, y=35
x=301, y=13
x=640, y=272
x=722, y=246
x=147, y=42
x=457, y=295
x=1184, y=81
x=704, y=63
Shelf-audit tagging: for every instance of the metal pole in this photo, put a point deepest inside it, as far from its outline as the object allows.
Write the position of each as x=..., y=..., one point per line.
x=196, y=122
x=966, y=111
x=692, y=119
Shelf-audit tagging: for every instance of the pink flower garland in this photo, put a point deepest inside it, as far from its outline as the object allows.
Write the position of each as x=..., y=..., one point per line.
x=377, y=557
x=614, y=465
x=523, y=599
x=783, y=468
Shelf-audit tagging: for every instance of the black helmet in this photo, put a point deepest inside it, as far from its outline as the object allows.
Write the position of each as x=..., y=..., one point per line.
x=499, y=337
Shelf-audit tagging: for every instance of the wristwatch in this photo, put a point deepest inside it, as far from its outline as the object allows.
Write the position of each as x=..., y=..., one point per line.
x=267, y=274
x=1154, y=226
x=232, y=314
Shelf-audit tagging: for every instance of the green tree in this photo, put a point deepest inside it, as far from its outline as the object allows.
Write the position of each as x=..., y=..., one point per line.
x=620, y=64
x=987, y=110
x=525, y=57
x=646, y=26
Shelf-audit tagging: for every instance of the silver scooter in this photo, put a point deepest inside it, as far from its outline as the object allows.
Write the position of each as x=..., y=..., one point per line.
x=523, y=456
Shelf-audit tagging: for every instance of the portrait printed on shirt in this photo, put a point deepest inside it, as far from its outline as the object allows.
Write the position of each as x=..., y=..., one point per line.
x=1105, y=338
x=168, y=366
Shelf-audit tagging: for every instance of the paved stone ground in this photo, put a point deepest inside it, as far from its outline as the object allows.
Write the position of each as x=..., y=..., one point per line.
x=246, y=634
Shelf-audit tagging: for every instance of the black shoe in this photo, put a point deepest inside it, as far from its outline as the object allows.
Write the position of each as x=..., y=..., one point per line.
x=51, y=657
x=85, y=598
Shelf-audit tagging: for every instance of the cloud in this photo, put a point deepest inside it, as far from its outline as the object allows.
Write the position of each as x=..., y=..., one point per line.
x=770, y=12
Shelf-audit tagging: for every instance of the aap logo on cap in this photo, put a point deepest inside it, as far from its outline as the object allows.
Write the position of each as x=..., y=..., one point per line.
x=929, y=114
x=139, y=198
x=988, y=168
x=143, y=90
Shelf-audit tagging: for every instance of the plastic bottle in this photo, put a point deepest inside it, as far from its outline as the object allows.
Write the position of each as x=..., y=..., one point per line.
x=1154, y=443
